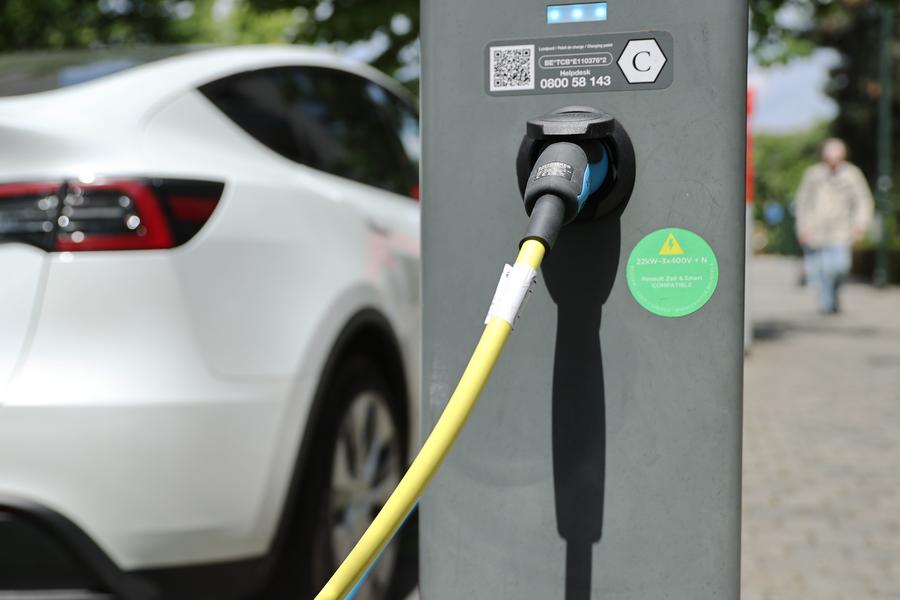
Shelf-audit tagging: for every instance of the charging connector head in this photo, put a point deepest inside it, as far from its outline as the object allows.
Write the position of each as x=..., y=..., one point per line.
x=604, y=141
x=563, y=178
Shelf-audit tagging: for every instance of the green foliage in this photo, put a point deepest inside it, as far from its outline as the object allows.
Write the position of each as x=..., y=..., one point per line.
x=787, y=28
x=392, y=25
x=395, y=22
x=779, y=162
x=784, y=29
x=53, y=24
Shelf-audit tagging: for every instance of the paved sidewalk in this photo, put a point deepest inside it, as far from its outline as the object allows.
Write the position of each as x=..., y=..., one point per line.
x=821, y=443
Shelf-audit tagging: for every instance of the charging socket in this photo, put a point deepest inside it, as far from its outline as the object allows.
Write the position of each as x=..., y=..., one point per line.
x=594, y=131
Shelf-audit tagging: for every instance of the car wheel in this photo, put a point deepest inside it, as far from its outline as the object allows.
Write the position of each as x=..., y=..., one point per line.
x=356, y=461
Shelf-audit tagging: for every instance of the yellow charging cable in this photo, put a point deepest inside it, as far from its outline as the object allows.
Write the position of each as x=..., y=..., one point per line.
x=435, y=449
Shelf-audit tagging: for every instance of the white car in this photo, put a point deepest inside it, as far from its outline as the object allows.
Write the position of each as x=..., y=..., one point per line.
x=209, y=322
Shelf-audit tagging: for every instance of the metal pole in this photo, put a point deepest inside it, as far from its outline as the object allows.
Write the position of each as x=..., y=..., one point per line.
x=885, y=131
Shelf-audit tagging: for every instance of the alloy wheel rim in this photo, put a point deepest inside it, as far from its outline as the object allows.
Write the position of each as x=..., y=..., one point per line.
x=365, y=470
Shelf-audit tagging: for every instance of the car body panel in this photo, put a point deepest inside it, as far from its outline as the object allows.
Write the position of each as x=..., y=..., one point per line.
x=160, y=396
x=22, y=270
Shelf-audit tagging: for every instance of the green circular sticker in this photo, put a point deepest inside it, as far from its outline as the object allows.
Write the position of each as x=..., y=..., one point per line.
x=672, y=272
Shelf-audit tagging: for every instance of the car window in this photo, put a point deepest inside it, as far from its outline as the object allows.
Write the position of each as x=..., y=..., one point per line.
x=254, y=102
x=403, y=121
x=329, y=120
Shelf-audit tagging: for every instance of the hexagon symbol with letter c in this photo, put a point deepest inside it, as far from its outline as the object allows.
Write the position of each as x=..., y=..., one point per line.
x=642, y=61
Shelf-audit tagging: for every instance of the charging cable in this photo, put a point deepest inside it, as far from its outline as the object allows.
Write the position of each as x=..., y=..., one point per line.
x=560, y=184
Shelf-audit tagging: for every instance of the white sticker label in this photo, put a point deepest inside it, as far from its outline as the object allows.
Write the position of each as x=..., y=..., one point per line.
x=515, y=285
x=598, y=62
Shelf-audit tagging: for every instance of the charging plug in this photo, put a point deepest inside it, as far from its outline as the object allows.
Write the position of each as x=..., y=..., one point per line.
x=562, y=180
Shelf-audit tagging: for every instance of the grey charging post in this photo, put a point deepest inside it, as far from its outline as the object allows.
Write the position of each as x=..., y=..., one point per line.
x=604, y=458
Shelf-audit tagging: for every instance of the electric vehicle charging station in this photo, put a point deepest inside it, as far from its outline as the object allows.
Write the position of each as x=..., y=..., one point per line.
x=604, y=458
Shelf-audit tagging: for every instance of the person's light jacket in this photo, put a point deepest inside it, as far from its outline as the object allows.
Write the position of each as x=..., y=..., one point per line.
x=834, y=207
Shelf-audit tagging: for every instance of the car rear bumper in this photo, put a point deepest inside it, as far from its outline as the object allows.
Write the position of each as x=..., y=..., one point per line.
x=155, y=485
x=44, y=556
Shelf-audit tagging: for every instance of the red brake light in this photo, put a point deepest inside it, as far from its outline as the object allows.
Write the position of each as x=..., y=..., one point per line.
x=28, y=212
x=115, y=215
x=121, y=214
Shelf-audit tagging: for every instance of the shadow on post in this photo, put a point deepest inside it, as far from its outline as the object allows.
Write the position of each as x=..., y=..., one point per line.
x=579, y=274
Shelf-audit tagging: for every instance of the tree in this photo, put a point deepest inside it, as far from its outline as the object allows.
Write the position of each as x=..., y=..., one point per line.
x=391, y=24
x=389, y=27
x=783, y=29
x=779, y=162
x=56, y=24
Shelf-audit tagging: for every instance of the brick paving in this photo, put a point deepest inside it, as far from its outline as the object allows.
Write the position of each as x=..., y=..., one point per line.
x=821, y=503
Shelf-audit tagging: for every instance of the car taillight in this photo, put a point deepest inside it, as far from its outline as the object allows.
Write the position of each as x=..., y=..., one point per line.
x=28, y=212
x=119, y=214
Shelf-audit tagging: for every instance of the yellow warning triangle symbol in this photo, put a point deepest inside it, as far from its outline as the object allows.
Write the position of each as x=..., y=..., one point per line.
x=671, y=246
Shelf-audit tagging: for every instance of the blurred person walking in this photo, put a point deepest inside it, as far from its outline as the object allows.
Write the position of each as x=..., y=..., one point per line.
x=834, y=209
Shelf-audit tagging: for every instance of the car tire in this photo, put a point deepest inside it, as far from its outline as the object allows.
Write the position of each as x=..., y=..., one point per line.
x=357, y=457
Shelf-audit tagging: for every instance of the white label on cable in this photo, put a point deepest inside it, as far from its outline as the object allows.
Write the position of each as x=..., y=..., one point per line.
x=512, y=290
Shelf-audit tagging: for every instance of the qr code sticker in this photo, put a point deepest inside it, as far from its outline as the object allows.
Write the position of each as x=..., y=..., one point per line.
x=512, y=68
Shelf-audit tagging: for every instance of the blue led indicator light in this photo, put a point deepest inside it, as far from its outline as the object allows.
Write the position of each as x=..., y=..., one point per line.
x=577, y=13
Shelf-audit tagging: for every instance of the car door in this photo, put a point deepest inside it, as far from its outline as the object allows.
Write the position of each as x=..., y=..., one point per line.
x=339, y=123
x=364, y=138
x=356, y=129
